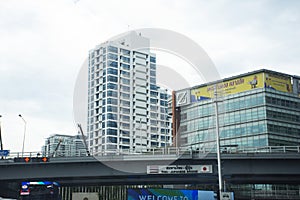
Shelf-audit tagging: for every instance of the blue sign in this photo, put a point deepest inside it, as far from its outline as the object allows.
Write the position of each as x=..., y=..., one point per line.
x=169, y=194
x=4, y=153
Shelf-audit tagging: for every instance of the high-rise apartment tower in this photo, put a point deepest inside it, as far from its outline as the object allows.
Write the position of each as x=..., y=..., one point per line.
x=127, y=111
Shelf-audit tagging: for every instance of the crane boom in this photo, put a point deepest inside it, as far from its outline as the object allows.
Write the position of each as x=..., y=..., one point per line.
x=84, y=140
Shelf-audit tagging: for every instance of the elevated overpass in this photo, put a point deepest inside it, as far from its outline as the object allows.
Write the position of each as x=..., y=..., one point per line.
x=238, y=167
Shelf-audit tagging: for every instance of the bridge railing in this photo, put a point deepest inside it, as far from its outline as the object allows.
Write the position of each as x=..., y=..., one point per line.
x=269, y=194
x=176, y=151
x=269, y=149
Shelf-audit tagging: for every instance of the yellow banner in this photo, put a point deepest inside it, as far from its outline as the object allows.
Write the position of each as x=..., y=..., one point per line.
x=278, y=82
x=228, y=87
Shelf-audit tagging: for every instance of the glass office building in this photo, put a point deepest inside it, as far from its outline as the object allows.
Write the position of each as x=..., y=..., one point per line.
x=127, y=111
x=257, y=109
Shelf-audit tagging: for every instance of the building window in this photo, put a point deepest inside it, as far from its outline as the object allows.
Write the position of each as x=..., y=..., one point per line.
x=112, y=79
x=112, y=57
x=112, y=124
x=183, y=128
x=153, y=87
x=125, y=81
x=112, y=86
x=152, y=59
x=125, y=110
x=183, y=116
x=152, y=73
x=125, y=66
x=112, y=49
x=113, y=64
x=125, y=52
x=111, y=93
x=163, y=103
x=112, y=71
x=111, y=109
x=153, y=101
x=125, y=96
x=112, y=101
x=152, y=66
x=152, y=80
x=125, y=59
x=125, y=73
x=153, y=94
x=125, y=103
x=112, y=116
x=112, y=132
x=125, y=88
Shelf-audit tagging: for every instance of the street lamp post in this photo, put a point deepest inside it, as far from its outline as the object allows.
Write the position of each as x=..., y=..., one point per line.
x=24, y=133
x=218, y=144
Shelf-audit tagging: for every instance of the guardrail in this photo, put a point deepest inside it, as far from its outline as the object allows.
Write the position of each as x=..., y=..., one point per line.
x=161, y=151
x=269, y=194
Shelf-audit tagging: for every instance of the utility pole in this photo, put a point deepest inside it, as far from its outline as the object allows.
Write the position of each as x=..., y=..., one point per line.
x=218, y=143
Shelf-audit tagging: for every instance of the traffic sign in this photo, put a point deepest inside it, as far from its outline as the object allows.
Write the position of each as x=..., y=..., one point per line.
x=227, y=196
x=4, y=153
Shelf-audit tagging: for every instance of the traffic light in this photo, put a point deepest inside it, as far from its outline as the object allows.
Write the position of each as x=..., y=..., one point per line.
x=45, y=159
x=22, y=159
x=31, y=160
x=40, y=159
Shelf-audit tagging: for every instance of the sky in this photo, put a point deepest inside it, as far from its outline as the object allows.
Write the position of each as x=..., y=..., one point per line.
x=43, y=45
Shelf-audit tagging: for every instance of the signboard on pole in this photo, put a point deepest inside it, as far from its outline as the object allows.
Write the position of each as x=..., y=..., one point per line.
x=227, y=196
x=178, y=169
x=4, y=153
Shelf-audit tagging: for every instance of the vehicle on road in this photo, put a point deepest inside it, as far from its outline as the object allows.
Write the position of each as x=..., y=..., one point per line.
x=40, y=190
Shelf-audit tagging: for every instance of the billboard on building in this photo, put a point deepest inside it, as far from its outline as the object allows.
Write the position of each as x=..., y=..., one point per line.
x=233, y=86
x=241, y=84
x=165, y=194
x=278, y=82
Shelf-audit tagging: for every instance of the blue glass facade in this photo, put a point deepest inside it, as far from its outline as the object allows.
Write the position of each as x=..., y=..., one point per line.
x=254, y=118
x=242, y=121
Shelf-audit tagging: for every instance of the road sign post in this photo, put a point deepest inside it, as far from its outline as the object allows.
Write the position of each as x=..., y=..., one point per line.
x=4, y=153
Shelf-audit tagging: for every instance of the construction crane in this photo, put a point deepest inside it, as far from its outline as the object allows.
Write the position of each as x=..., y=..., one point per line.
x=84, y=140
x=57, y=146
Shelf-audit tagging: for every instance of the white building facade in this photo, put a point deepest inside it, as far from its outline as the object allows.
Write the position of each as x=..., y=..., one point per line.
x=127, y=111
x=66, y=145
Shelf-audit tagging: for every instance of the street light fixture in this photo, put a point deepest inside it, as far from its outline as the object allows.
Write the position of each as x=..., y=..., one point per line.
x=218, y=142
x=24, y=133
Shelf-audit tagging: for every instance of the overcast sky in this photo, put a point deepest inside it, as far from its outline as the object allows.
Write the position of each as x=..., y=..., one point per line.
x=44, y=43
